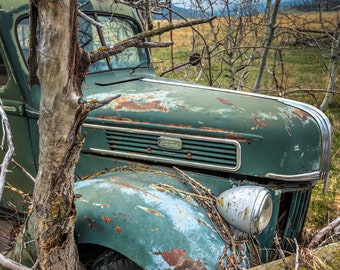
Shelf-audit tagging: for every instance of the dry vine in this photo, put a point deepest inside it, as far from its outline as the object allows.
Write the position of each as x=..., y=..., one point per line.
x=207, y=201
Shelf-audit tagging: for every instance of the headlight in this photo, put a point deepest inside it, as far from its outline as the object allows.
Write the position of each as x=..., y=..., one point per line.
x=247, y=208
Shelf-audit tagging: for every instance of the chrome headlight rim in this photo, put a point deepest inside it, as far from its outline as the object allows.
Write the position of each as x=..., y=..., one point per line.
x=246, y=208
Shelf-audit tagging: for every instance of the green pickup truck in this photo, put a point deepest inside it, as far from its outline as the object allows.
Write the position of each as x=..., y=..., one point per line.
x=259, y=155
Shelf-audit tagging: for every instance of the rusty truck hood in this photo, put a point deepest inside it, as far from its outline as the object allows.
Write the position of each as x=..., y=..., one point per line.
x=278, y=138
x=169, y=103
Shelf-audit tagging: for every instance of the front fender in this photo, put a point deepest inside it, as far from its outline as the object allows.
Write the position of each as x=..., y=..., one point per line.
x=156, y=228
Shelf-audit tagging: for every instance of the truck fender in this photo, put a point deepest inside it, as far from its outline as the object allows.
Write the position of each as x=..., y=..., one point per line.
x=155, y=227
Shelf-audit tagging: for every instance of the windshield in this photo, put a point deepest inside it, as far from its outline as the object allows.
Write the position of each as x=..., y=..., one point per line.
x=92, y=37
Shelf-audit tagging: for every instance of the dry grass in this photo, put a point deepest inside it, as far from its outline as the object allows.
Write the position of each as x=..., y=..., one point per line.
x=289, y=67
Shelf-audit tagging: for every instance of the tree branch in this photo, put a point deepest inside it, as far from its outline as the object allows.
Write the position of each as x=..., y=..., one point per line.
x=317, y=238
x=4, y=261
x=137, y=40
x=88, y=18
x=95, y=104
x=7, y=135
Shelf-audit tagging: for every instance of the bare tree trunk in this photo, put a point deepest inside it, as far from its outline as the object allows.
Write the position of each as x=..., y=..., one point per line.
x=271, y=14
x=60, y=120
x=333, y=69
x=60, y=71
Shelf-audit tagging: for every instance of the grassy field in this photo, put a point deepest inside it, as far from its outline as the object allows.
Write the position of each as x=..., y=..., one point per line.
x=303, y=77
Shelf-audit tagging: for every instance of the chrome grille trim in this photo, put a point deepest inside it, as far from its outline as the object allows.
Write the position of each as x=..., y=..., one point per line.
x=223, y=164
x=295, y=177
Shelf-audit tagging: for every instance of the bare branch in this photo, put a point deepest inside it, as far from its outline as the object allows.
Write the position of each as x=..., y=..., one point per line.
x=23, y=169
x=89, y=19
x=317, y=238
x=278, y=247
x=95, y=104
x=119, y=47
x=12, y=264
x=7, y=135
x=137, y=41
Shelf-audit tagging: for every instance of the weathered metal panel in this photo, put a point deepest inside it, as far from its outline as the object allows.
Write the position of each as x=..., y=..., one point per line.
x=278, y=139
x=127, y=212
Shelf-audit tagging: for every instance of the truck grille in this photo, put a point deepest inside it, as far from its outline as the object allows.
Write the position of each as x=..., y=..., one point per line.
x=175, y=149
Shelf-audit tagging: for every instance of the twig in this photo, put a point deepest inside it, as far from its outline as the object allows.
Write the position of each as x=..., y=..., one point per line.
x=296, y=254
x=278, y=247
x=311, y=260
x=317, y=238
x=194, y=182
x=95, y=104
x=330, y=239
x=168, y=187
x=89, y=19
x=221, y=226
x=23, y=170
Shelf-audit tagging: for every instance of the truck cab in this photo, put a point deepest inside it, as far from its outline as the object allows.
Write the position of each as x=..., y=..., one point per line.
x=260, y=156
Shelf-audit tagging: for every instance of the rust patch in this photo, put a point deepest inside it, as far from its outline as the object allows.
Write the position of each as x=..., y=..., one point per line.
x=189, y=263
x=176, y=125
x=118, y=119
x=246, y=212
x=89, y=221
x=201, y=222
x=189, y=155
x=289, y=131
x=258, y=123
x=228, y=103
x=118, y=230
x=151, y=211
x=221, y=201
x=125, y=216
x=179, y=259
x=301, y=115
x=236, y=137
x=107, y=219
x=122, y=184
x=181, y=106
x=125, y=103
x=213, y=129
x=172, y=257
x=225, y=102
x=122, y=119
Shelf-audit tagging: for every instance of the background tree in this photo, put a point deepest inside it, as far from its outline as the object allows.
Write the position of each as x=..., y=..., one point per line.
x=229, y=50
x=248, y=49
x=270, y=16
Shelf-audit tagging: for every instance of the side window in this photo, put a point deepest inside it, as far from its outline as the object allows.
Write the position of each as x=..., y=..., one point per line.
x=3, y=72
x=23, y=36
